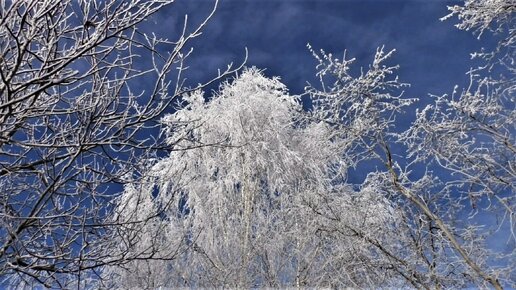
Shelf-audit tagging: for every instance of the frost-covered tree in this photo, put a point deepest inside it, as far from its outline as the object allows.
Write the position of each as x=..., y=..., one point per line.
x=362, y=112
x=454, y=180
x=252, y=196
x=74, y=121
x=496, y=16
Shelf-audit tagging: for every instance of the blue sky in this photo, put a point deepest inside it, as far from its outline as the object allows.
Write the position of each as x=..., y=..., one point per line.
x=433, y=55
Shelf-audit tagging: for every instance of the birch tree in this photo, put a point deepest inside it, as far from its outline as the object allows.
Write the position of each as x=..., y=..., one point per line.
x=247, y=193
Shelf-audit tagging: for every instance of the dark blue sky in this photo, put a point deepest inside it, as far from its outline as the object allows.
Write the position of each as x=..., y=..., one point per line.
x=433, y=55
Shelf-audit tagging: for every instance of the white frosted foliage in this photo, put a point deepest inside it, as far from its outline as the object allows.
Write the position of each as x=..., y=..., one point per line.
x=248, y=182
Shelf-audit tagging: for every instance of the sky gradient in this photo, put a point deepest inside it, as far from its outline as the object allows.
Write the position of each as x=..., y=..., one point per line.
x=433, y=55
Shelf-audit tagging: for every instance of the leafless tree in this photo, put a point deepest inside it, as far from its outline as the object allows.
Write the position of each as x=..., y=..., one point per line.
x=74, y=122
x=454, y=175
